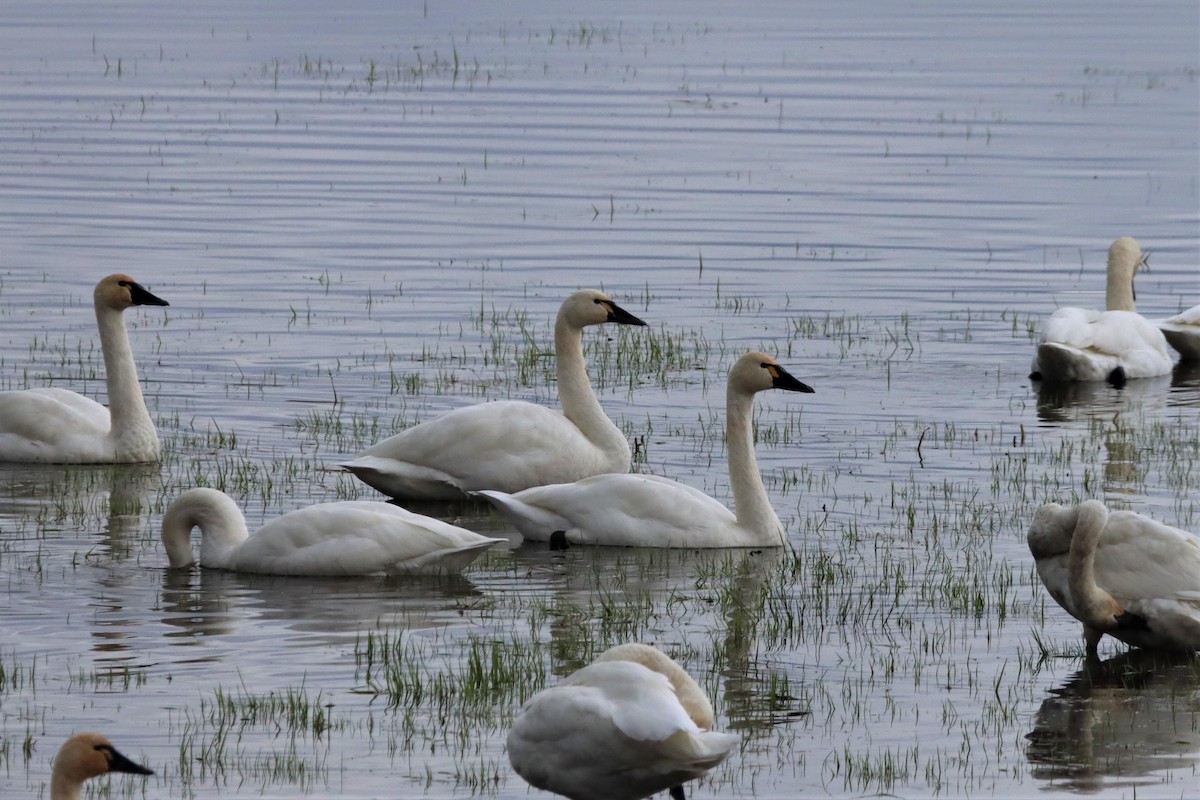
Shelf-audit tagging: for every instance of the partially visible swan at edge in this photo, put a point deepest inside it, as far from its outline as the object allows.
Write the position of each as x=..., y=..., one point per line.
x=629, y=724
x=1120, y=573
x=650, y=511
x=1115, y=345
x=510, y=444
x=1183, y=333
x=84, y=756
x=58, y=426
x=343, y=538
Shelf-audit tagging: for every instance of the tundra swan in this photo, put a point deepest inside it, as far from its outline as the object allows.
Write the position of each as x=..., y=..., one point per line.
x=84, y=756
x=58, y=426
x=1183, y=333
x=629, y=724
x=510, y=445
x=356, y=537
x=1120, y=573
x=1117, y=344
x=650, y=511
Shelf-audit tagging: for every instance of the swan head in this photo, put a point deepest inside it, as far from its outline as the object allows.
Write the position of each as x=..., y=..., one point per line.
x=119, y=292
x=90, y=755
x=593, y=307
x=689, y=693
x=1124, y=259
x=1051, y=531
x=757, y=372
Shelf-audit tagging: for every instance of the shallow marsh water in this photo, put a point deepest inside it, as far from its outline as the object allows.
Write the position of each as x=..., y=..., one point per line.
x=362, y=217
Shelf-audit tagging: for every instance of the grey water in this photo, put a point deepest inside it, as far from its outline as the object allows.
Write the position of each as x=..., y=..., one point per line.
x=366, y=213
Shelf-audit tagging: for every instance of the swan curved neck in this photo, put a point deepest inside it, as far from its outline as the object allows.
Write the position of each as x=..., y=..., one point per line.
x=1095, y=606
x=126, y=405
x=576, y=396
x=222, y=528
x=752, y=504
x=64, y=788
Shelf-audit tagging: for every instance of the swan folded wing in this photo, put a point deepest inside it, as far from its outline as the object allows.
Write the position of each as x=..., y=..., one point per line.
x=1141, y=558
x=506, y=445
x=1189, y=317
x=352, y=538
x=49, y=415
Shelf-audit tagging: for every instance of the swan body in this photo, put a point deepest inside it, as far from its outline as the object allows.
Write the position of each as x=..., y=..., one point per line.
x=1120, y=573
x=1182, y=332
x=58, y=426
x=629, y=724
x=85, y=756
x=1115, y=345
x=342, y=538
x=650, y=511
x=510, y=445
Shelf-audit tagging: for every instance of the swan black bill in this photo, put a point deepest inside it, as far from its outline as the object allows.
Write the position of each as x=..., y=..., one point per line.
x=677, y=793
x=620, y=315
x=118, y=762
x=141, y=297
x=782, y=379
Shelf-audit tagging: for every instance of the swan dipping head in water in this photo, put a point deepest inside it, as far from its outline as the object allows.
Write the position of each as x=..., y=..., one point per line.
x=628, y=725
x=58, y=426
x=343, y=538
x=85, y=756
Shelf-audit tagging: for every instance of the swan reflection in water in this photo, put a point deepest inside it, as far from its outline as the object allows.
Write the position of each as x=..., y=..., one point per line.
x=1119, y=723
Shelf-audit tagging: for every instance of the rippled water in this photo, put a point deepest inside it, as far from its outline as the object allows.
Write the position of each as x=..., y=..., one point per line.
x=368, y=214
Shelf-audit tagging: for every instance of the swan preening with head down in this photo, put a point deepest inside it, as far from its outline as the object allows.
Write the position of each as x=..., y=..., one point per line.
x=58, y=426
x=1116, y=344
x=1121, y=574
x=342, y=538
x=510, y=445
x=85, y=756
x=629, y=724
x=649, y=511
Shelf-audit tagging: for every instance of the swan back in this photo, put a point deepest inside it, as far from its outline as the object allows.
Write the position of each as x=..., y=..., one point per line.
x=690, y=695
x=84, y=756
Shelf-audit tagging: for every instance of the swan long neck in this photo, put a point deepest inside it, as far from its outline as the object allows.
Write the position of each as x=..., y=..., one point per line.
x=751, y=502
x=221, y=523
x=126, y=406
x=1095, y=606
x=578, y=399
x=1118, y=287
x=64, y=787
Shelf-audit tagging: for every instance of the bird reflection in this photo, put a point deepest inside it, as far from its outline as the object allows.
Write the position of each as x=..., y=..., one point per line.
x=1118, y=723
x=1061, y=402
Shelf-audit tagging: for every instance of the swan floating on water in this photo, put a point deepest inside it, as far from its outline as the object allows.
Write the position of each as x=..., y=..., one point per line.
x=629, y=724
x=1182, y=332
x=1115, y=345
x=510, y=445
x=353, y=537
x=58, y=426
x=1120, y=573
x=650, y=511
x=84, y=756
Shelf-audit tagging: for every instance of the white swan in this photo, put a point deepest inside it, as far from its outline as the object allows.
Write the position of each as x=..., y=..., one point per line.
x=1115, y=345
x=629, y=724
x=649, y=511
x=1120, y=573
x=510, y=445
x=58, y=426
x=342, y=538
x=1183, y=333
x=84, y=756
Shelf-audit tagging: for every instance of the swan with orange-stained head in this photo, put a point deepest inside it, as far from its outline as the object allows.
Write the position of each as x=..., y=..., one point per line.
x=84, y=756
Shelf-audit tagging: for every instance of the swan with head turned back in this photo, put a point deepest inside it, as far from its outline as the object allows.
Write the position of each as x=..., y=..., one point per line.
x=650, y=511
x=352, y=537
x=510, y=444
x=629, y=724
x=1120, y=573
x=1115, y=345
x=85, y=756
x=58, y=426
x=1183, y=333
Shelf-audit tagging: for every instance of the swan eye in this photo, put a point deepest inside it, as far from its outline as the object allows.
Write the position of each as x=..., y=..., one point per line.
x=125, y=284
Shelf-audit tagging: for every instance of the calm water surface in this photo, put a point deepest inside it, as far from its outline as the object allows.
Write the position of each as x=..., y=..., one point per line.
x=364, y=216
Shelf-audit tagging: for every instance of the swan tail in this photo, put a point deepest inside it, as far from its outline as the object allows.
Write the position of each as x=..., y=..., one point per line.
x=444, y=561
x=532, y=522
